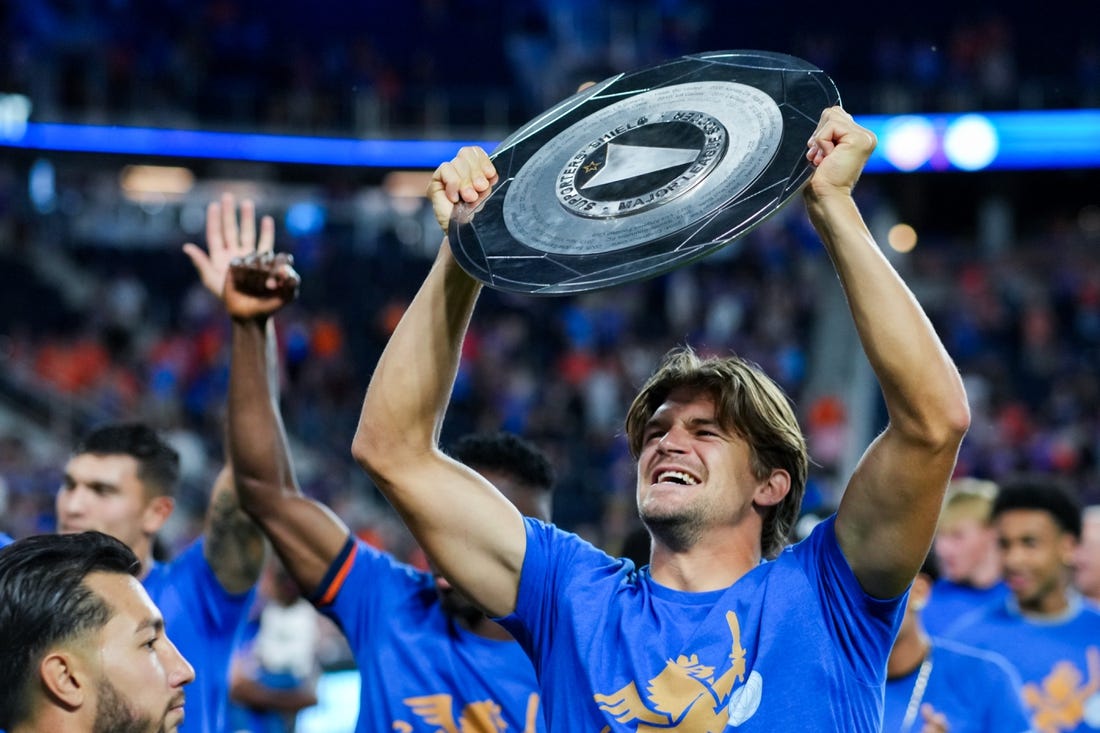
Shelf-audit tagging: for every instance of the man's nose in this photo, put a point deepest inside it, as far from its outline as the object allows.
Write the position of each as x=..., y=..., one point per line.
x=73, y=500
x=673, y=441
x=180, y=670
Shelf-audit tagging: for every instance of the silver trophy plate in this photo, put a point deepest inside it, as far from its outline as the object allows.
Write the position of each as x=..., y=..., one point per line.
x=644, y=172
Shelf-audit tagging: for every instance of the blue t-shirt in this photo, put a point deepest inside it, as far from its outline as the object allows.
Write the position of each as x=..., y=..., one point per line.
x=5, y=540
x=421, y=671
x=794, y=645
x=951, y=601
x=201, y=619
x=1058, y=660
x=976, y=691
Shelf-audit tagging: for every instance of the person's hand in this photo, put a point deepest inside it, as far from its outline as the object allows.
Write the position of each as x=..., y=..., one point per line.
x=933, y=722
x=838, y=149
x=465, y=178
x=260, y=283
x=226, y=240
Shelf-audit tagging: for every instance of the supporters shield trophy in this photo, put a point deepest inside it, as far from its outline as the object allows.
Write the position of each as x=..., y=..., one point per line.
x=643, y=173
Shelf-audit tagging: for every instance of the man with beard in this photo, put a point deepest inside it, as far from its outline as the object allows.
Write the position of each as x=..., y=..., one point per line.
x=708, y=636
x=425, y=654
x=1044, y=628
x=83, y=646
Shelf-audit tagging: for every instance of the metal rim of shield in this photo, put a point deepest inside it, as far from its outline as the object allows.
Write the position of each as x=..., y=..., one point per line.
x=643, y=173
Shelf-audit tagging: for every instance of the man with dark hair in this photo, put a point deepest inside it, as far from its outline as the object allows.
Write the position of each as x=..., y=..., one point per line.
x=428, y=658
x=121, y=479
x=1044, y=629
x=82, y=645
x=708, y=636
x=938, y=686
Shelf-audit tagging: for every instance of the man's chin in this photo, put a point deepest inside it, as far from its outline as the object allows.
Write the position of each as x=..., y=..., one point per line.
x=677, y=532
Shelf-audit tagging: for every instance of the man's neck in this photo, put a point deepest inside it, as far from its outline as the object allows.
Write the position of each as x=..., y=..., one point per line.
x=53, y=720
x=1051, y=606
x=147, y=562
x=714, y=562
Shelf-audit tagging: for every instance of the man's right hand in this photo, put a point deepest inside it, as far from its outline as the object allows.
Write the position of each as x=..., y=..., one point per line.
x=465, y=178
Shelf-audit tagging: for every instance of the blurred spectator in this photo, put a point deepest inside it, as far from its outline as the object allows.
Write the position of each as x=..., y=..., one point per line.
x=275, y=665
x=966, y=552
x=1086, y=563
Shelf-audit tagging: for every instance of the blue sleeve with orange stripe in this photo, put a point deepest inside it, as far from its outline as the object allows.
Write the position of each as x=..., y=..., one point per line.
x=336, y=575
x=365, y=587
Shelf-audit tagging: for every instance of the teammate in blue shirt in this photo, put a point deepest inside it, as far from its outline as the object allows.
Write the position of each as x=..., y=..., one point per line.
x=968, y=559
x=934, y=685
x=84, y=648
x=428, y=659
x=1044, y=629
x=4, y=539
x=727, y=626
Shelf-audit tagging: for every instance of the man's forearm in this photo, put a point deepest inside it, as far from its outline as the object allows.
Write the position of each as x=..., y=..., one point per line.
x=255, y=435
x=413, y=380
x=916, y=375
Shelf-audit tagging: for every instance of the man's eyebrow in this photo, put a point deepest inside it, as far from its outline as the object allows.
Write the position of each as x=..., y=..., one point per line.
x=68, y=478
x=150, y=623
x=704, y=421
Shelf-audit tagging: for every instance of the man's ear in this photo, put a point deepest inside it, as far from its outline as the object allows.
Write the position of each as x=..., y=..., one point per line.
x=156, y=513
x=65, y=679
x=773, y=489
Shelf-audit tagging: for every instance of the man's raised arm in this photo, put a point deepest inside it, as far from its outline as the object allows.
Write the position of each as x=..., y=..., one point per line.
x=253, y=283
x=468, y=529
x=889, y=510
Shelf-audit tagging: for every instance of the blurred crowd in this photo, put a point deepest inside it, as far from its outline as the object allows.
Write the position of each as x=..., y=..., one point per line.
x=375, y=67
x=1022, y=321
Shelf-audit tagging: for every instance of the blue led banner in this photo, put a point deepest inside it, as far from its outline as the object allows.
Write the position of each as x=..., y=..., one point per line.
x=965, y=142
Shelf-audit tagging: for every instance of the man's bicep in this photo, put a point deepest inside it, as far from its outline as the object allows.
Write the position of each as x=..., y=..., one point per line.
x=889, y=512
x=469, y=530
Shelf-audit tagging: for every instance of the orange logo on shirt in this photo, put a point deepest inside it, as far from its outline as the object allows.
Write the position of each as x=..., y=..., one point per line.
x=482, y=716
x=686, y=696
x=1058, y=703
